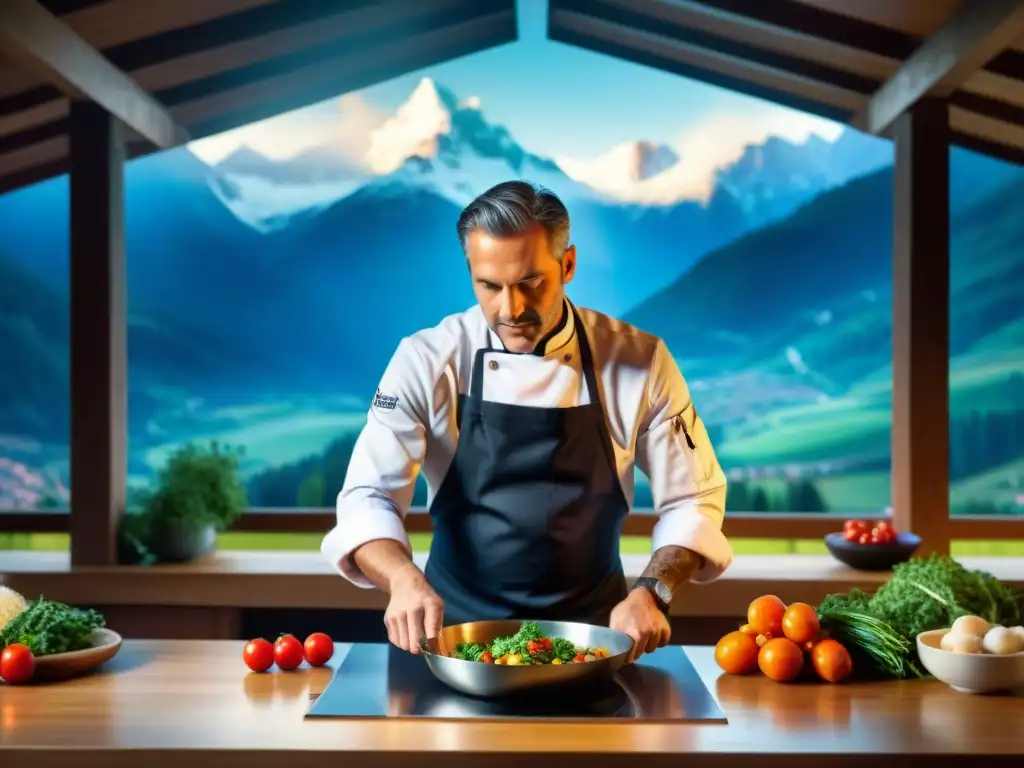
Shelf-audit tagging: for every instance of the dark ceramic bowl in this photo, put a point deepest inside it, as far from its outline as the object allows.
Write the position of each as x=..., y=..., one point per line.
x=873, y=557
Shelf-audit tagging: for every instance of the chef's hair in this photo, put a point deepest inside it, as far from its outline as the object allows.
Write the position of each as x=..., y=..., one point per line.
x=513, y=208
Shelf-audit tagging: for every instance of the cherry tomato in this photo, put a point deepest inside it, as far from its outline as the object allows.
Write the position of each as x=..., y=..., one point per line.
x=318, y=649
x=851, y=534
x=258, y=655
x=765, y=614
x=781, y=660
x=580, y=657
x=856, y=525
x=547, y=643
x=17, y=664
x=800, y=623
x=533, y=646
x=831, y=661
x=287, y=652
x=487, y=657
x=736, y=653
x=865, y=538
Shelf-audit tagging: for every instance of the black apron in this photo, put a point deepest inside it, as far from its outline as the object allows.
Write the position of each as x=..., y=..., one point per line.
x=528, y=519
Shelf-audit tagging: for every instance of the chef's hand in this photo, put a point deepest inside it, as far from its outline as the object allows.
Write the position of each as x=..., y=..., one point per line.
x=640, y=618
x=414, y=610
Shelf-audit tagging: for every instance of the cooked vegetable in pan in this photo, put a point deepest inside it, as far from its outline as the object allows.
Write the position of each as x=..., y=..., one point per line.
x=528, y=646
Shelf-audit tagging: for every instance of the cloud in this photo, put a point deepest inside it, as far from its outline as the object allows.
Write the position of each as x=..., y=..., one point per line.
x=343, y=124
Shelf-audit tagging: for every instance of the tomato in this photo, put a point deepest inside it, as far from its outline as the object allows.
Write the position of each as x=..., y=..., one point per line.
x=534, y=646
x=736, y=653
x=287, y=652
x=851, y=534
x=487, y=657
x=864, y=538
x=831, y=661
x=859, y=526
x=579, y=657
x=258, y=655
x=881, y=536
x=546, y=642
x=318, y=649
x=746, y=629
x=781, y=660
x=800, y=623
x=17, y=664
x=765, y=615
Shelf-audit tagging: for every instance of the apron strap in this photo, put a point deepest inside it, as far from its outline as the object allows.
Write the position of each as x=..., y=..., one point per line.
x=476, y=382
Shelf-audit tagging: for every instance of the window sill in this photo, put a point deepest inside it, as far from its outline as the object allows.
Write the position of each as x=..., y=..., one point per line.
x=258, y=579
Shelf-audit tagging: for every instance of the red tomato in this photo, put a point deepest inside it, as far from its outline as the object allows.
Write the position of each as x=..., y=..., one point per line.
x=287, y=652
x=881, y=535
x=579, y=657
x=856, y=525
x=851, y=534
x=258, y=655
x=532, y=646
x=547, y=643
x=864, y=538
x=318, y=649
x=487, y=657
x=17, y=664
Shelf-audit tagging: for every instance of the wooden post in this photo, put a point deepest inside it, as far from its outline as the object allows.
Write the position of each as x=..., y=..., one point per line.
x=920, y=339
x=98, y=334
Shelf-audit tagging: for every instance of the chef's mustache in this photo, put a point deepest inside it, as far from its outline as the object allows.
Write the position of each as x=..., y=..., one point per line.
x=529, y=317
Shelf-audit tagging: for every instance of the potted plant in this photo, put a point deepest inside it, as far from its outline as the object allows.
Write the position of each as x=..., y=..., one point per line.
x=198, y=493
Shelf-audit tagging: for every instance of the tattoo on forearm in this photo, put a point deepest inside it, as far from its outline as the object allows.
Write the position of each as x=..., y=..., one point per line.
x=673, y=566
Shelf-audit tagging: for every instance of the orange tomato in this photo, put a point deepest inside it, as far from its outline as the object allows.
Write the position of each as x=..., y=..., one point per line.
x=746, y=629
x=800, y=623
x=736, y=653
x=831, y=661
x=781, y=660
x=765, y=615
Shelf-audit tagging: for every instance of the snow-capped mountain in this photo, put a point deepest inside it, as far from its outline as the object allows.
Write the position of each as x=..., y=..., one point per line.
x=623, y=168
x=436, y=142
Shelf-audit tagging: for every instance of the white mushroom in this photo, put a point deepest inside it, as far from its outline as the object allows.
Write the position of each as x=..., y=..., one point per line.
x=965, y=644
x=1000, y=640
x=970, y=625
x=1018, y=631
x=949, y=640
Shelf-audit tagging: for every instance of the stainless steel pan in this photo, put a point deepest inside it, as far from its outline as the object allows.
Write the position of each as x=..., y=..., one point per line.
x=475, y=678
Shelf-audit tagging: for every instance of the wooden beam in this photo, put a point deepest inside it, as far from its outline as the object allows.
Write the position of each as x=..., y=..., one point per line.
x=39, y=40
x=99, y=425
x=975, y=34
x=920, y=335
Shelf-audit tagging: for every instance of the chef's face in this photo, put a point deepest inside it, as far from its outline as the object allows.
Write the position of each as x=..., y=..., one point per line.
x=520, y=284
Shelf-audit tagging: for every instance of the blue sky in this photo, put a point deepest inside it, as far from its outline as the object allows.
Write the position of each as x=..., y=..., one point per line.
x=557, y=100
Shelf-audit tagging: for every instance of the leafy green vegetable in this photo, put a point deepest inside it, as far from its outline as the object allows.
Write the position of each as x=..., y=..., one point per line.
x=49, y=627
x=929, y=593
x=871, y=638
x=469, y=651
x=517, y=644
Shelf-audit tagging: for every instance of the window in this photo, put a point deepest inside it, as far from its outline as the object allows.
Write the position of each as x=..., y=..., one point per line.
x=273, y=269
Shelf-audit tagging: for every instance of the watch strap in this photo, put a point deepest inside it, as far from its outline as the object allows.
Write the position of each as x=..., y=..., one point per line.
x=659, y=591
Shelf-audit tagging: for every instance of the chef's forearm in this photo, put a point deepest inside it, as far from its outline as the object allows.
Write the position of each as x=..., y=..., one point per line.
x=385, y=561
x=673, y=566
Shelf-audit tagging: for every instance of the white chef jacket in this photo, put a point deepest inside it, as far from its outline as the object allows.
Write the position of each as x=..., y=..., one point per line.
x=411, y=427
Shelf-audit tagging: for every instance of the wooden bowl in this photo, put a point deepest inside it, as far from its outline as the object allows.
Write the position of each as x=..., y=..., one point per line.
x=873, y=557
x=62, y=666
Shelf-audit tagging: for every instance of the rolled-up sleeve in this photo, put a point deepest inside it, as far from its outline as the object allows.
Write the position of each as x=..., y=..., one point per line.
x=385, y=462
x=687, y=483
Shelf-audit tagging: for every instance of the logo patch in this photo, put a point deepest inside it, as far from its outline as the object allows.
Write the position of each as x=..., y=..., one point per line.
x=387, y=402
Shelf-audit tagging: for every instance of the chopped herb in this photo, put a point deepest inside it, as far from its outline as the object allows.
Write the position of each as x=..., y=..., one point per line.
x=48, y=627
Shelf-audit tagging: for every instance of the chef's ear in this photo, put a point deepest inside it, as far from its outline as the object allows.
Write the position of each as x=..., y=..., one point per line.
x=568, y=264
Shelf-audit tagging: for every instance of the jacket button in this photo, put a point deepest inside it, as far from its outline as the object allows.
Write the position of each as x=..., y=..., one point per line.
x=567, y=358
x=493, y=365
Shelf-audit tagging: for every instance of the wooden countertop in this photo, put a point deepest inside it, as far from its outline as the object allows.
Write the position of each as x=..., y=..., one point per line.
x=175, y=703
x=305, y=580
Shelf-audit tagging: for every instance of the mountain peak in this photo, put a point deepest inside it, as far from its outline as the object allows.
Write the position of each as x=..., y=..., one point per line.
x=414, y=129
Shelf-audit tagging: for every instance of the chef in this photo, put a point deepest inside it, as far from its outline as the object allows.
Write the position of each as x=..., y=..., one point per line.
x=527, y=415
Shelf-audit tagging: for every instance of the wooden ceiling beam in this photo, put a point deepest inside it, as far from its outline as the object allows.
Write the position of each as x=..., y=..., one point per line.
x=973, y=36
x=41, y=42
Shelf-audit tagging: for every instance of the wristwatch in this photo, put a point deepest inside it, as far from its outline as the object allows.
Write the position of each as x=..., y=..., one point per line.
x=659, y=591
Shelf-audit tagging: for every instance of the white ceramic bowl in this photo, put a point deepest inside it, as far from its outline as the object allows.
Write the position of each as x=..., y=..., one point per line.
x=970, y=672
